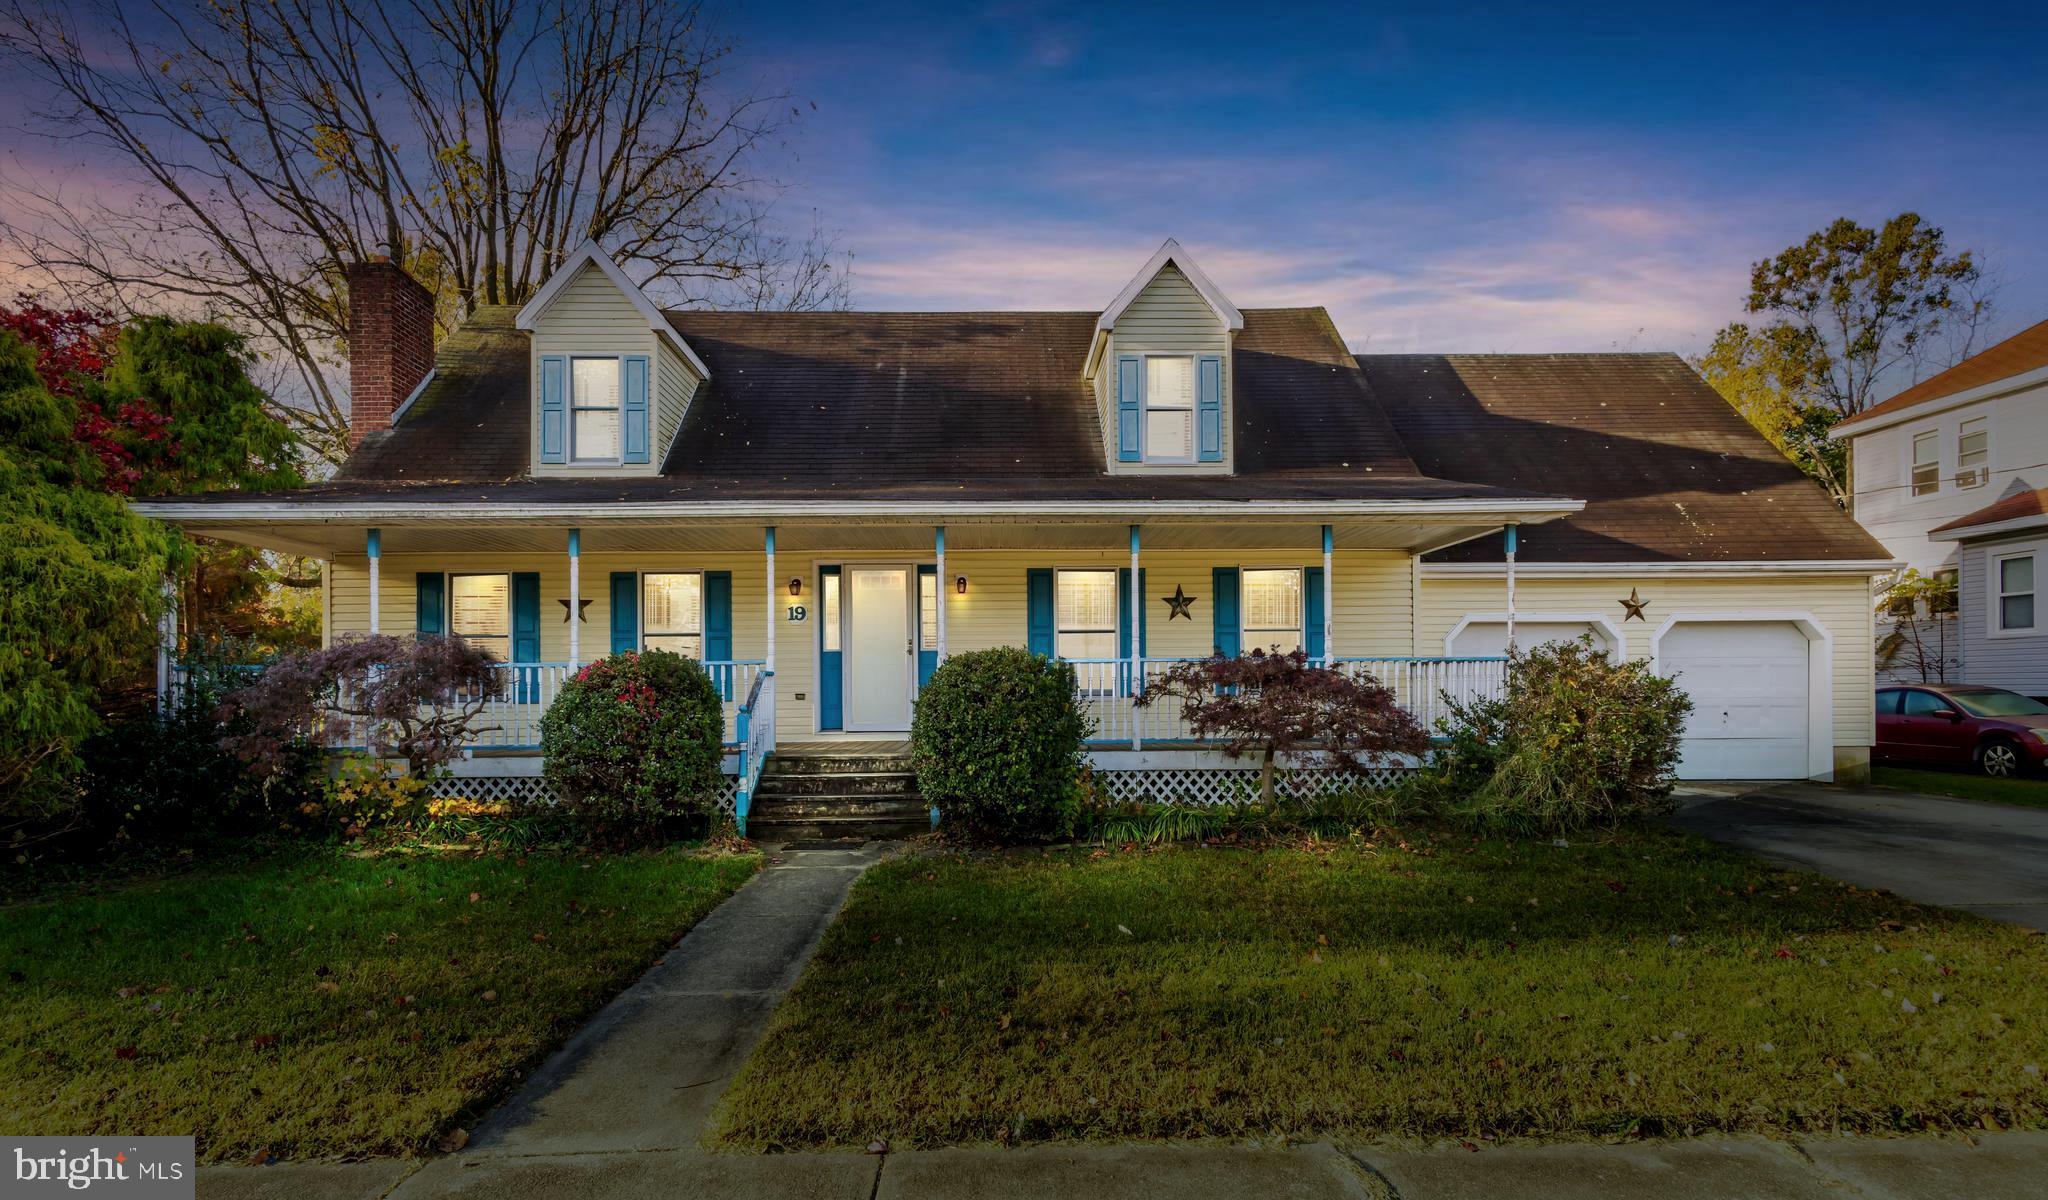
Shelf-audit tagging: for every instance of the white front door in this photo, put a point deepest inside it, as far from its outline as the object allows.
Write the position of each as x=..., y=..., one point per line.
x=881, y=657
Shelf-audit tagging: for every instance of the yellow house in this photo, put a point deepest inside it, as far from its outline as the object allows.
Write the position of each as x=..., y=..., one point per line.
x=821, y=506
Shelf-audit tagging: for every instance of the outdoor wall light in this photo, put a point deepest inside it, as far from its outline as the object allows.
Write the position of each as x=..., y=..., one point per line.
x=960, y=585
x=796, y=586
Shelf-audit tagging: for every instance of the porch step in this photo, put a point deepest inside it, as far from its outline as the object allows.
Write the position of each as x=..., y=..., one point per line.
x=865, y=796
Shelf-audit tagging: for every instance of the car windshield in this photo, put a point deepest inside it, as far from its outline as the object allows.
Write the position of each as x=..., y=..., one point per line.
x=1997, y=704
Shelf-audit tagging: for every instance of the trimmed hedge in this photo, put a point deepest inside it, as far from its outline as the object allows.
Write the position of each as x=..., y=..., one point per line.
x=997, y=742
x=636, y=738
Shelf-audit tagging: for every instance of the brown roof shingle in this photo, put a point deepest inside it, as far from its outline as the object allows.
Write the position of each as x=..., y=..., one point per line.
x=2030, y=503
x=1669, y=471
x=2024, y=351
x=470, y=422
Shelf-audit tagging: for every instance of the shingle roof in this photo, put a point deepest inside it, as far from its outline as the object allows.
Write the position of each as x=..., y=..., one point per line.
x=1669, y=471
x=2029, y=503
x=2024, y=351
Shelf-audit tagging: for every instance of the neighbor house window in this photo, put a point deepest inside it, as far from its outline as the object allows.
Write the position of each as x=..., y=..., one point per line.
x=2015, y=576
x=1085, y=612
x=1973, y=453
x=1272, y=611
x=594, y=410
x=672, y=613
x=1169, y=409
x=1926, y=463
x=480, y=612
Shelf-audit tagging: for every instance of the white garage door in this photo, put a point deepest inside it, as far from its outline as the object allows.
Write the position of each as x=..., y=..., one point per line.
x=1748, y=683
x=1489, y=639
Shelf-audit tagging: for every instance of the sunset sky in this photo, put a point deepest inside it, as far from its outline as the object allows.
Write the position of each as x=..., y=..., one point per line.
x=1475, y=178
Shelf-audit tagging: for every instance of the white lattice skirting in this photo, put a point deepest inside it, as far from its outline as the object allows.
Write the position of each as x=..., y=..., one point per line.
x=534, y=789
x=1204, y=786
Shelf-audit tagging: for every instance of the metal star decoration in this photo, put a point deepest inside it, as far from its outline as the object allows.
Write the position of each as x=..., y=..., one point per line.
x=581, y=604
x=1179, y=603
x=1634, y=607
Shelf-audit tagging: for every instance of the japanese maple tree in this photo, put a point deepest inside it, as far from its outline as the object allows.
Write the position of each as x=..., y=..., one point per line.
x=1275, y=704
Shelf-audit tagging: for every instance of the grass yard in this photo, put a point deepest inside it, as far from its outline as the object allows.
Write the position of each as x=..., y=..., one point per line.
x=2030, y=792
x=323, y=1003
x=1647, y=983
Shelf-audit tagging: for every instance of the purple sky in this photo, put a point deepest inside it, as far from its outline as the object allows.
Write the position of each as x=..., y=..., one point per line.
x=1455, y=178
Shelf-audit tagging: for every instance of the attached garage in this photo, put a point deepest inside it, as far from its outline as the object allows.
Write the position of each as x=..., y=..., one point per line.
x=1755, y=687
x=1485, y=635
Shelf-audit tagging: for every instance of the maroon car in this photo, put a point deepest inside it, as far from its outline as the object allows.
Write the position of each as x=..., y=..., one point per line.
x=1998, y=732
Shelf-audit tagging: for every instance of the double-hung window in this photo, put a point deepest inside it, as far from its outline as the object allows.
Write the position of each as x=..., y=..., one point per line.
x=594, y=410
x=2013, y=576
x=1085, y=615
x=672, y=612
x=1926, y=463
x=480, y=612
x=1169, y=409
x=1973, y=453
x=1272, y=610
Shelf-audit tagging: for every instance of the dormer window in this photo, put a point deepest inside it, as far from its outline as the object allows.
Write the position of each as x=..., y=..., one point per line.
x=594, y=408
x=1169, y=409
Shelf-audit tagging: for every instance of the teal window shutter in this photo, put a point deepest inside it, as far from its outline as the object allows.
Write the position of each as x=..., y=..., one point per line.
x=718, y=625
x=1038, y=610
x=1209, y=408
x=1144, y=645
x=526, y=633
x=633, y=430
x=625, y=611
x=1229, y=634
x=430, y=612
x=554, y=408
x=1130, y=407
x=831, y=686
x=1312, y=610
x=1123, y=630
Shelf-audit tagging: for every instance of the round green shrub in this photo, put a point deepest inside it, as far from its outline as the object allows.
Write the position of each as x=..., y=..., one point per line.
x=635, y=739
x=997, y=742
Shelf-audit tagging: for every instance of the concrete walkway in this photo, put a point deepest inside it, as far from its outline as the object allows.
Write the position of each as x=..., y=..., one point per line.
x=1991, y=859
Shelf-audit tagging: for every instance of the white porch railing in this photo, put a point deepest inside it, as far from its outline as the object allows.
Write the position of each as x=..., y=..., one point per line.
x=757, y=742
x=1418, y=684
x=512, y=721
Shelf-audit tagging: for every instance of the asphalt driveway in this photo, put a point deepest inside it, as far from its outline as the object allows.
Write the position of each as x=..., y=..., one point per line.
x=1991, y=859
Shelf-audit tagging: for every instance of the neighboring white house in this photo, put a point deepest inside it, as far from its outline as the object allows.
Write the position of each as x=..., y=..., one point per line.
x=1942, y=452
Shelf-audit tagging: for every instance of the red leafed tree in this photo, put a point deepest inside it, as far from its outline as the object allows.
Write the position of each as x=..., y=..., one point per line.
x=1276, y=704
x=411, y=699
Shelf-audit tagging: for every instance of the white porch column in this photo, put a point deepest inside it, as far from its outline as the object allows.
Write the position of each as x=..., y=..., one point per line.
x=375, y=546
x=166, y=644
x=1509, y=542
x=769, y=657
x=575, y=595
x=1329, y=597
x=1137, y=650
x=939, y=585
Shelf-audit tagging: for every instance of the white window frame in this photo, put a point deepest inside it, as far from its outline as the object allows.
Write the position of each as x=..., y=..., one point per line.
x=1994, y=589
x=1914, y=466
x=1116, y=624
x=1193, y=410
x=1244, y=631
x=504, y=575
x=703, y=612
x=1983, y=469
x=572, y=407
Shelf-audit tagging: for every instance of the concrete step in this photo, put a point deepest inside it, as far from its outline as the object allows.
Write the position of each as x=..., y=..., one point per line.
x=817, y=827
x=889, y=807
x=838, y=764
x=844, y=783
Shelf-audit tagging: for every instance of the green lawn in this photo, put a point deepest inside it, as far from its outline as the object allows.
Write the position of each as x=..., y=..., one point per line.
x=322, y=1002
x=1647, y=983
x=2030, y=792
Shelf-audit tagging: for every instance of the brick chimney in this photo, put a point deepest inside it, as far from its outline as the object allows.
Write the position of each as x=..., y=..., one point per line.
x=390, y=343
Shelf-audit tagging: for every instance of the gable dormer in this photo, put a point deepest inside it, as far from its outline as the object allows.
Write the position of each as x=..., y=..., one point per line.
x=611, y=378
x=1160, y=367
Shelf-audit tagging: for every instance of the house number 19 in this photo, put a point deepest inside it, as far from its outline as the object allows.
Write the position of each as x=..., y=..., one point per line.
x=797, y=612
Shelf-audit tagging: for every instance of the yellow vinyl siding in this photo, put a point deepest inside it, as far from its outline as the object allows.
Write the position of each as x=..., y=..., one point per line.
x=1841, y=605
x=1168, y=317
x=593, y=317
x=675, y=385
